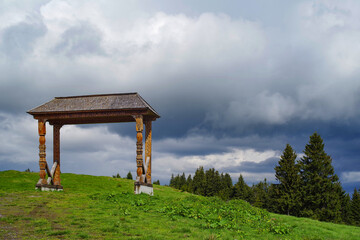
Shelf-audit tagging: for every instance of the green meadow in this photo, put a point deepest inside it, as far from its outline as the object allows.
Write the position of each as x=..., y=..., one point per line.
x=92, y=207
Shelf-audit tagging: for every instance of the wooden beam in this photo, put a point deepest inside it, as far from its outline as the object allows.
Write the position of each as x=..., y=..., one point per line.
x=88, y=115
x=48, y=170
x=52, y=172
x=42, y=150
x=49, y=179
x=148, y=136
x=56, y=154
x=139, y=148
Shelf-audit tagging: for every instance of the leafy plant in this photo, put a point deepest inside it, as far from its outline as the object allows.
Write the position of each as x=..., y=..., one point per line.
x=279, y=227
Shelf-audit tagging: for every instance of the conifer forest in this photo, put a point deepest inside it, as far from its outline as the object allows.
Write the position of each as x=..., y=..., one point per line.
x=306, y=187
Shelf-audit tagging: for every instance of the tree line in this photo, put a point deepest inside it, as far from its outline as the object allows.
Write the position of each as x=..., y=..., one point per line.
x=307, y=187
x=128, y=176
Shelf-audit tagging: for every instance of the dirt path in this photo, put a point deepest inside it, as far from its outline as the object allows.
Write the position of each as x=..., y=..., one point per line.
x=16, y=213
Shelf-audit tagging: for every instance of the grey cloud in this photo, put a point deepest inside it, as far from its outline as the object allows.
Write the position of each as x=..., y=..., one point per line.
x=82, y=39
x=18, y=40
x=19, y=166
x=18, y=139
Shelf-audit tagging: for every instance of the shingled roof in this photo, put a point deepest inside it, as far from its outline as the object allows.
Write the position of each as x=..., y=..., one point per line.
x=121, y=103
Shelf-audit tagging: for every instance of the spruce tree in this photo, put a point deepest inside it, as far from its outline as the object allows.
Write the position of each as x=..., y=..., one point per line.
x=199, y=181
x=346, y=214
x=129, y=176
x=321, y=190
x=189, y=184
x=116, y=176
x=227, y=181
x=226, y=186
x=261, y=196
x=271, y=203
x=242, y=190
x=172, y=181
x=287, y=193
x=182, y=182
x=355, y=208
x=177, y=182
x=213, y=182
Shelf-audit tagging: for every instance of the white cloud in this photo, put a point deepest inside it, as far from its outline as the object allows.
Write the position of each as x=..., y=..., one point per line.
x=333, y=26
x=165, y=163
x=350, y=177
x=344, y=53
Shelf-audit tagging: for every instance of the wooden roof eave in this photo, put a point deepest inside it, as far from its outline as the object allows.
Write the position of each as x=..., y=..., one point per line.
x=94, y=116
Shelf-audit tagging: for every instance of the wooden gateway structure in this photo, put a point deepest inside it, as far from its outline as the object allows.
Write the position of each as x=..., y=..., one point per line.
x=109, y=108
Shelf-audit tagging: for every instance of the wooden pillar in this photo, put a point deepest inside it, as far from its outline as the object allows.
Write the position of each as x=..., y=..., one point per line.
x=56, y=149
x=42, y=151
x=148, y=133
x=139, y=148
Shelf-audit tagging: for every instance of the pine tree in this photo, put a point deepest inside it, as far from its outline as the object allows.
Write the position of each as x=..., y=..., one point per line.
x=321, y=190
x=129, y=176
x=242, y=190
x=355, y=208
x=287, y=193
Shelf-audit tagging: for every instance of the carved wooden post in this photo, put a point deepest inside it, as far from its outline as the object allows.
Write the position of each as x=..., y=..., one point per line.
x=42, y=151
x=56, y=148
x=139, y=148
x=148, y=133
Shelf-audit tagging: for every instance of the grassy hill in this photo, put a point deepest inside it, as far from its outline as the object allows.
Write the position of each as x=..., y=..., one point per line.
x=93, y=207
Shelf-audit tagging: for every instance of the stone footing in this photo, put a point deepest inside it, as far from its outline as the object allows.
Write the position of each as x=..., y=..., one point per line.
x=46, y=187
x=143, y=188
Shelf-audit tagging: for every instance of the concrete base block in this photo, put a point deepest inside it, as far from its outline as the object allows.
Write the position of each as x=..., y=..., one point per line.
x=48, y=187
x=143, y=188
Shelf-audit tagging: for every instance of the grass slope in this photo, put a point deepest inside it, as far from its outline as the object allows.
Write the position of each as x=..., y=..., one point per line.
x=106, y=208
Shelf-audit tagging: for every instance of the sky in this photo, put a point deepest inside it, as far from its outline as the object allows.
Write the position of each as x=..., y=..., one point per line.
x=233, y=81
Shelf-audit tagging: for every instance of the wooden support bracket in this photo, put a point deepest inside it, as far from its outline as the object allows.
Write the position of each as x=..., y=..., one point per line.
x=51, y=173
